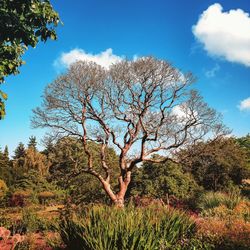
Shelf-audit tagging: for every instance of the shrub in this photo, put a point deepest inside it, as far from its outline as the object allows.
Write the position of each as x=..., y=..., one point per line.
x=109, y=228
x=162, y=181
x=7, y=241
x=27, y=221
x=3, y=188
x=45, y=196
x=245, y=188
x=19, y=198
x=223, y=235
x=211, y=200
x=32, y=223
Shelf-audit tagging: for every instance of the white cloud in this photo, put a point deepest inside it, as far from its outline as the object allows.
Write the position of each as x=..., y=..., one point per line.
x=183, y=113
x=225, y=34
x=245, y=104
x=105, y=58
x=212, y=72
x=178, y=111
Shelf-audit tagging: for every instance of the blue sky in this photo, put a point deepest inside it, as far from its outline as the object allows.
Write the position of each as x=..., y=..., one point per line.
x=215, y=47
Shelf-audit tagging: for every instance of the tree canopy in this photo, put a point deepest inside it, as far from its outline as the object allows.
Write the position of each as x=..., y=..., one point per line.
x=22, y=23
x=216, y=165
x=161, y=180
x=138, y=107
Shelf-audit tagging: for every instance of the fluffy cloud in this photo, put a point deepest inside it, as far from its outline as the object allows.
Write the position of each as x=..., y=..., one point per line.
x=179, y=111
x=105, y=58
x=225, y=34
x=245, y=104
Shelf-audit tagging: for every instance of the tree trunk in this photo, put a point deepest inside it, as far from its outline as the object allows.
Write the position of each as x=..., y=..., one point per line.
x=118, y=199
x=123, y=184
x=119, y=202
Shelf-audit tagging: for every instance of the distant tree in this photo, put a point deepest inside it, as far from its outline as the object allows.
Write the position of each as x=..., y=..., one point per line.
x=216, y=165
x=18, y=161
x=161, y=180
x=67, y=158
x=6, y=152
x=5, y=166
x=37, y=161
x=32, y=142
x=244, y=143
x=19, y=151
x=49, y=146
x=4, y=157
x=32, y=183
x=139, y=107
x=22, y=23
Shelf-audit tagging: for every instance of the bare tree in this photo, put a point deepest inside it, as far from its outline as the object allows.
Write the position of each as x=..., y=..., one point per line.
x=139, y=107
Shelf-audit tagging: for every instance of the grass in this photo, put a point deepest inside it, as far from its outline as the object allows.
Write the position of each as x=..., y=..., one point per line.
x=107, y=228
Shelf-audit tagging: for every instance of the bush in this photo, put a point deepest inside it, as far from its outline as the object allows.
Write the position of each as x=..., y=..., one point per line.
x=211, y=200
x=27, y=222
x=19, y=198
x=3, y=188
x=224, y=235
x=109, y=228
x=45, y=196
x=162, y=181
x=245, y=188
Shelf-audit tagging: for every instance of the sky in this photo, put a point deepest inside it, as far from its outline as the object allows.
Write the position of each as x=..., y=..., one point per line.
x=209, y=38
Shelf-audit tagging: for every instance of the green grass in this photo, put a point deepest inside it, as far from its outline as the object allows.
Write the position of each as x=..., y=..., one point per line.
x=107, y=228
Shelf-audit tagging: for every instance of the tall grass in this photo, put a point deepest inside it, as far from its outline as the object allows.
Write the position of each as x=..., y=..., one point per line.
x=212, y=200
x=107, y=228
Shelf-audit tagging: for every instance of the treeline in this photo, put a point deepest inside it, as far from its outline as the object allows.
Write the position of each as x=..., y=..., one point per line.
x=56, y=172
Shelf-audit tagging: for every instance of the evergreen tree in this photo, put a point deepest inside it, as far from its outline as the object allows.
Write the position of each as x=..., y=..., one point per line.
x=19, y=155
x=49, y=146
x=5, y=166
x=6, y=152
x=32, y=142
x=19, y=151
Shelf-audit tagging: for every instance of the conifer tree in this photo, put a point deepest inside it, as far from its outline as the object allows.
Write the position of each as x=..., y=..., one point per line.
x=32, y=142
x=19, y=151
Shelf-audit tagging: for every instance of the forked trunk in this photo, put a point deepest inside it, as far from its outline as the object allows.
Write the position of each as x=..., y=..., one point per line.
x=119, y=202
x=118, y=199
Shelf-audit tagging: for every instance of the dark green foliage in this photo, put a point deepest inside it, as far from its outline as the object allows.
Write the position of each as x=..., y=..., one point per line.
x=5, y=167
x=106, y=228
x=22, y=23
x=161, y=180
x=244, y=143
x=216, y=165
x=6, y=152
x=49, y=146
x=32, y=142
x=19, y=151
x=29, y=180
x=29, y=222
x=67, y=161
x=210, y=200
x=34, y=184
